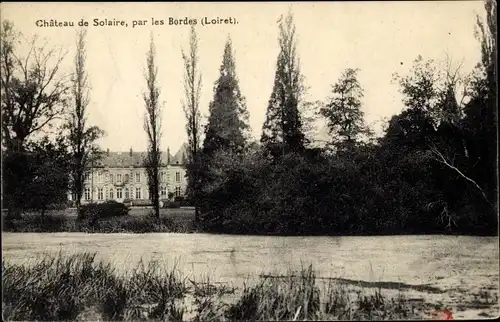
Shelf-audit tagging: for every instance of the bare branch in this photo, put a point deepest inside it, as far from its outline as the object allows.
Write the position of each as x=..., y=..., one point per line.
x=33, y=89
x=442, y=159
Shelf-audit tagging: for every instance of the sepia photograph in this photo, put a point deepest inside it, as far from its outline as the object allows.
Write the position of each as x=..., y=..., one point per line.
x=252, y=161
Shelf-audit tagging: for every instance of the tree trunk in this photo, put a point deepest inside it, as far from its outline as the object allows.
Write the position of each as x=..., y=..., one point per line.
x=78, y=208
x=42, y=215
x=156, y=200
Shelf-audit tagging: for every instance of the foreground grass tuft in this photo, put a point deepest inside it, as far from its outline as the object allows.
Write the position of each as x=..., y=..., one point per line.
x=291, y=298
x=78, y=287
x=74, y=286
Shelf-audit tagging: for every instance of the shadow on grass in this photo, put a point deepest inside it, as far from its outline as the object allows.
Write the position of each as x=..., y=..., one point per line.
x=381, y=285
x=393, y=286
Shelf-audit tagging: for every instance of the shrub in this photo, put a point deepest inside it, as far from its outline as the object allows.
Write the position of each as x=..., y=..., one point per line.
x=38, y=223
x=143, y=224
x=181, y=200
x=133, y=224
x=173, y=204
x=164, y=203
x=60, y=205
x=94, y=224
x=107, y=209
x=141, y=202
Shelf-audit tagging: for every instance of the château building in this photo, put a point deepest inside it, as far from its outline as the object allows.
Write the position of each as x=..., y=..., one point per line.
x=121, y=176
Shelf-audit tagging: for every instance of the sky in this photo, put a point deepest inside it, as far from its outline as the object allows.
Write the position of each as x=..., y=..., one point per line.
x=379, y=38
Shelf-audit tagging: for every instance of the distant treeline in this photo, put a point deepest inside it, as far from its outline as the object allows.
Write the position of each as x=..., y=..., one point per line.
x=432, y=171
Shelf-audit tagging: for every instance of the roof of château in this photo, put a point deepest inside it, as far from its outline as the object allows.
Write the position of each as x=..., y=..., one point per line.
x=136, y=159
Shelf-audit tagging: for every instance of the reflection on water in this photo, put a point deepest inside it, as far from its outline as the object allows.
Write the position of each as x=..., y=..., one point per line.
x=409, y=259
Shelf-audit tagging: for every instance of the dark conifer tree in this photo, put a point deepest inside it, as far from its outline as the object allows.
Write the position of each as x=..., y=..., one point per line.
x=282, y=131
x=343, y=113
x=228, y=120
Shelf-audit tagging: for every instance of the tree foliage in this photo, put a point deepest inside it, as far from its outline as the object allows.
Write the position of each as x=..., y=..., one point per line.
x=191, y=107
x=34, y=93
x=49, y=168
x=343, y=113
x=152, y=126
x=37, y=177
x=227, y=127
x=282, y=131
x=81, y=136
x=33, y=96
x=433, y=170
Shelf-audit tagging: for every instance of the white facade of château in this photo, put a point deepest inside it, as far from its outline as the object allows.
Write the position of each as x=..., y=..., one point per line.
x=121, y=176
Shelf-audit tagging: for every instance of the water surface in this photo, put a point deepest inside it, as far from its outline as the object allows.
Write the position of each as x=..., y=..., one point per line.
x=459, y=266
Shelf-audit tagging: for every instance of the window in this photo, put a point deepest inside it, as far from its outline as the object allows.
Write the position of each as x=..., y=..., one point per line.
x=100, y=194
x=137, y=177
x=163, y=191
x=178, y=176
x=137, y=193
x=118, y=193
x=162, y=176
x=87, y=194
x=126, y=177
x=119, y=178
x=127, y=196
x=178, y=191
x=111, y=194
x=112, y=178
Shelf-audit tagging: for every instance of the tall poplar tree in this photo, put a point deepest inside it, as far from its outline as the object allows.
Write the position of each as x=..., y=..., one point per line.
x=81, y=137
x=282, y=131
x=481, y=112
x=152, y=126
x=191, y=107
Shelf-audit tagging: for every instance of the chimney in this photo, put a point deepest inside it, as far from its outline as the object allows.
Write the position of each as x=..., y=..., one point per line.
x=107, y=152
x=131, y=151
x=168, y=155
